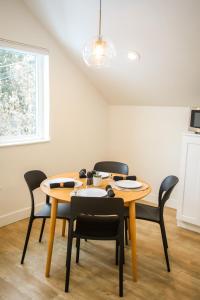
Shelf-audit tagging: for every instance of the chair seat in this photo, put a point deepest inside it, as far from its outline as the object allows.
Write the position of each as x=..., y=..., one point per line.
x=63, y=211
x=145, y=212
x=97, y=226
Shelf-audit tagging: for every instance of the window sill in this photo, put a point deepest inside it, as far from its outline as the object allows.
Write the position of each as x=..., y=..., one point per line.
x=27, y=142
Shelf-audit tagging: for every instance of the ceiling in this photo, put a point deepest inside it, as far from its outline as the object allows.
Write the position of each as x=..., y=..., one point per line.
x=166, y=33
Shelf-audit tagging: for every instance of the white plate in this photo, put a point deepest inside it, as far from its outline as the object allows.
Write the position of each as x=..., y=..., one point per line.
x=128, y=184
x=62, y=179
x=103, y=174
x=90, y=192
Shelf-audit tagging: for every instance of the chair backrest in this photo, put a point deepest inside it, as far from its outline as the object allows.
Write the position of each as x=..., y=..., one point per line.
x=98, y=206
x=111, y=167
x=33, y=179
x=166, y=188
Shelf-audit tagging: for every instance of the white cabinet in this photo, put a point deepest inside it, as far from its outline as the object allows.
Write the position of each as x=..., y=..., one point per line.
x=188, y=214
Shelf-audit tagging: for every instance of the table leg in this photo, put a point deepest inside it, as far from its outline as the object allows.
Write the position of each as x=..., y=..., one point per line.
x=133, y=238
x=54, y=207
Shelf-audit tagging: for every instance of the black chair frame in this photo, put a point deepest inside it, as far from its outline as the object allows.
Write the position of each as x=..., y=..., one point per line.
x=90, y=207
x=156, y=214
x=111, y=167
x=118, y=168
x=33, y=179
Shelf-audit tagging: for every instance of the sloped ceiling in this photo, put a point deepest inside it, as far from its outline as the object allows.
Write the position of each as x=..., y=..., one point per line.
x=166, y=33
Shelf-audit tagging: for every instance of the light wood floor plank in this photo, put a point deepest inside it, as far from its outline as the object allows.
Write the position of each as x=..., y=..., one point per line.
x=96, y=277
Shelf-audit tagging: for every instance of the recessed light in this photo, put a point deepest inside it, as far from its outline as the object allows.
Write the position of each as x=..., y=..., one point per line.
x=133, y=55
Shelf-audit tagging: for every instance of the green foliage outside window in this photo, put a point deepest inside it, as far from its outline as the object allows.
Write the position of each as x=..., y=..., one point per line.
x=18, y=105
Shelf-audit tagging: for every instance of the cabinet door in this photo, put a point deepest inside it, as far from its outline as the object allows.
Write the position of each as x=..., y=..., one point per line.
x=191, y=193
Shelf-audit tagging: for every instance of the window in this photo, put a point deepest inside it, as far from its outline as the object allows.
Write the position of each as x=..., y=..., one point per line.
x=24, y=94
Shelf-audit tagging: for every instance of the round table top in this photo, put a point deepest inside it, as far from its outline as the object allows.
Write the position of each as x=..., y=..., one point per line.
x=64, y=194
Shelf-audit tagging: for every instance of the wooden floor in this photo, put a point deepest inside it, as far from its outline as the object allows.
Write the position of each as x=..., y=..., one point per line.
x=96, y=277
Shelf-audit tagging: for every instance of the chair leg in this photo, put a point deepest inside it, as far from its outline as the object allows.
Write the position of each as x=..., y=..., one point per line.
x=68, y=260
x=164, y=233
x=78, y=240
x=129, y=235
x=123, y=255
x=117, y=253
x=63, y=227
x=42, y=230
x=165, y=246
x=126, y=230
x=27, y=239
x=121, y=262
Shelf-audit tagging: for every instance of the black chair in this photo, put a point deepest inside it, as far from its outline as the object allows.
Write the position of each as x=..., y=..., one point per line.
x=155, y=214
x=33, y=179
x=114, y=167
x=111, y=167
x=96, y=219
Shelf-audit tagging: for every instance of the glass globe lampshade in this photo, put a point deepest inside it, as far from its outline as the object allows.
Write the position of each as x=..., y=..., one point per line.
x=98, y=52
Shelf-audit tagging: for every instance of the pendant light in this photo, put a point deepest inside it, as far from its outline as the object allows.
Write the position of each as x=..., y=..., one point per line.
x=98, y=52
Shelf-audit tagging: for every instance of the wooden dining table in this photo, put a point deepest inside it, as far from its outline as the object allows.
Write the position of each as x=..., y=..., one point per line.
x=64, y=195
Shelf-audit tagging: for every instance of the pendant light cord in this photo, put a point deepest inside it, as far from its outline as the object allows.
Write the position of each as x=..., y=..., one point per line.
x=100, y=19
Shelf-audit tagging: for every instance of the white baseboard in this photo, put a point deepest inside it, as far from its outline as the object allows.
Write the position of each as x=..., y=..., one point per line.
x=188, y=226
x=24, y=213
x=17, y=215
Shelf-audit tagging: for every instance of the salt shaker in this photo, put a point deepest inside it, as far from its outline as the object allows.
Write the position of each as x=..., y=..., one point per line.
x=89, y=178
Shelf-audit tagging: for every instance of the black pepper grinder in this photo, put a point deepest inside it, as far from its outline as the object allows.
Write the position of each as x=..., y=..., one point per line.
x=89, y=178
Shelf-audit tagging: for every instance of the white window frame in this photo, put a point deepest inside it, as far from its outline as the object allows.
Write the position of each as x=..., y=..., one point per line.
x=42, y=87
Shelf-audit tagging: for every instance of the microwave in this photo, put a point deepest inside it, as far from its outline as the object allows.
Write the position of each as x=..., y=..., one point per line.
x=195, y=120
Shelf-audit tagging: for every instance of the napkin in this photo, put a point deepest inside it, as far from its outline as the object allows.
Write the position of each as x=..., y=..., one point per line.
x=110, y=191
x=82, y=173
x=130, y=177
x=116, y=178
x=68, y=184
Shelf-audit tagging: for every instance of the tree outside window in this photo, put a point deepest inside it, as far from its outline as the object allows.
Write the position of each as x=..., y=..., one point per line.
x=22, y=93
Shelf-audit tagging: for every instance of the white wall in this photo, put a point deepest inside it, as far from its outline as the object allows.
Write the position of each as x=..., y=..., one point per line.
x=78, y=117
x=84, y=128
x=149, y=140
x=164, y=32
